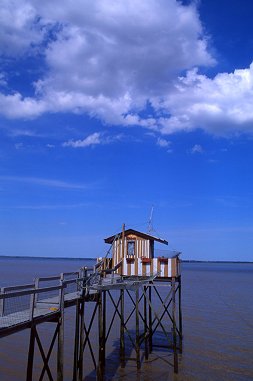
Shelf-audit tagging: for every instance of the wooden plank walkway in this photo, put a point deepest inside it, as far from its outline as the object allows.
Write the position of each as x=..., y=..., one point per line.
x=44, y=308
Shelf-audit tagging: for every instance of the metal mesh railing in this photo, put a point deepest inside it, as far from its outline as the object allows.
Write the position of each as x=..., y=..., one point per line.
x=19, y=304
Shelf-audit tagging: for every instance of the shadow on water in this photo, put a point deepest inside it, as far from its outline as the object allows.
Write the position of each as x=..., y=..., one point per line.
x=162, y=348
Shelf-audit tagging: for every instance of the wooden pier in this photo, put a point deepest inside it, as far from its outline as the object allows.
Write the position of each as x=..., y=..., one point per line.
x=133, y=288
x=127, y=298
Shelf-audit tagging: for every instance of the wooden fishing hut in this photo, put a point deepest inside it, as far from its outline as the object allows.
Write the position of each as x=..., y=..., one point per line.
x=133, y=252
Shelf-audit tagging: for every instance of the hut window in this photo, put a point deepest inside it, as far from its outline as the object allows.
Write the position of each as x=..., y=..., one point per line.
x=130, y=248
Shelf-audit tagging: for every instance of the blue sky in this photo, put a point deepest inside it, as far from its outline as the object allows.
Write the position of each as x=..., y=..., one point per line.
x=108, y=108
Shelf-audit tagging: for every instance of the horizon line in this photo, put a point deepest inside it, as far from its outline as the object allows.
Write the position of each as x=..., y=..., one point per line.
x=93, y=258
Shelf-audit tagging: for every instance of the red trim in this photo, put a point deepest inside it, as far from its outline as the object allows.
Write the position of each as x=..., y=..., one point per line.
x=162, y=259
x=130, y=259
x=146, y=260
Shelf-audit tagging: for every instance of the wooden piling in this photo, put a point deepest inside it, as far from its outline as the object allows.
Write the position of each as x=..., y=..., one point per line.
x=81, y=347
x=100, y=339
x=137, y=328
x=180, y=314
x=174, y=328
x=122, y=330
x=150, y=319
x=76, y=343
x=29, y=370
x=60, y=351
x=146, y=335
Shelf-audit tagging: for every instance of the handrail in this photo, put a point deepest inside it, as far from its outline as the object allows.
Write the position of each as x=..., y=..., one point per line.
x=48, y=278
x=74, y=280
x=31, y=292
x=19, y=287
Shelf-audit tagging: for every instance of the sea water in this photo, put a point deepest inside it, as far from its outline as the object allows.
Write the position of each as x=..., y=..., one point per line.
x=217, y=303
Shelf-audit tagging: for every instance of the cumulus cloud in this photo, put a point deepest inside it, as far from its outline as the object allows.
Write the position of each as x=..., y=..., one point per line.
x=112, y=59
x=221, y=106
x=21, y=28
x=105, y=59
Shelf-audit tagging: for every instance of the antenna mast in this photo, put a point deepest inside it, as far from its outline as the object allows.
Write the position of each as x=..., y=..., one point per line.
x=150, y=221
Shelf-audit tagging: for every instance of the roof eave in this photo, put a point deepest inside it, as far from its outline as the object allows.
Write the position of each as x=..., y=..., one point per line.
x=144, y=235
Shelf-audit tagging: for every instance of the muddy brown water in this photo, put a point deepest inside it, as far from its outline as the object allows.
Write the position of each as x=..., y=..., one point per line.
x=217, y=301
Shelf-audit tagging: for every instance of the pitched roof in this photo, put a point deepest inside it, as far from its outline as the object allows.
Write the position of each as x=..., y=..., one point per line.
x=139, y=234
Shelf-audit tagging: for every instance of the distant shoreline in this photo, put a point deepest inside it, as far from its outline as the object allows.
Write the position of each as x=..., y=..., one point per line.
x=93, y=258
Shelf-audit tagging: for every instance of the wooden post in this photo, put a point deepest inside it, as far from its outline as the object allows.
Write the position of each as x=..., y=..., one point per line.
x=32, y=305
x=123, y=248
x=180, y=314
x=100, y=365
x=81, y=348
x=60, y=351
x=122, y=330
x=76, y=345
x=29, y=370
x=123, y=241
x=137, y=339
x=36, y=285
x=145, y=323
x=2, y=303
x=104, y=329
x=174, y=329
x=150, y=319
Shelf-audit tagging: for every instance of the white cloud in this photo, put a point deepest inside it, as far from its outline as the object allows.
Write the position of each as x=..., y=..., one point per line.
x=91, y=140
x=94, y=139
x=221, y=106
x=197, y=148
x=20, y=27
x=16, y=106
x=111, y=59
x=163, y=142
x=106, y=59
